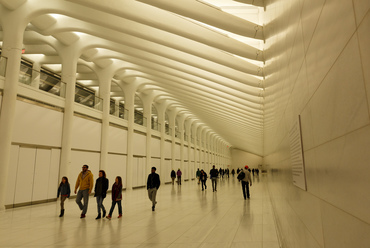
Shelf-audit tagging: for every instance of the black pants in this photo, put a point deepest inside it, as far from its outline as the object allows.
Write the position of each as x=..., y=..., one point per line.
x=245, y=186
x=203, y=184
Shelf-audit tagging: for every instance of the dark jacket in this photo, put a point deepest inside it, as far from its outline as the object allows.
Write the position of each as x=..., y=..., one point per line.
x=64, y=189
x=203, y=177
x=214, y=173
x=101, y=187
x=116, y=192
x=173, y=173
x=153, y=181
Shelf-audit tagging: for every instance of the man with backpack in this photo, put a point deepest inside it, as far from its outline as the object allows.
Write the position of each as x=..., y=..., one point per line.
x=245, y=176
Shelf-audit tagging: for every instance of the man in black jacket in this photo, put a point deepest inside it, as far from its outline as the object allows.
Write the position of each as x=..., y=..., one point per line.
x=214, y=175
x=152, y=185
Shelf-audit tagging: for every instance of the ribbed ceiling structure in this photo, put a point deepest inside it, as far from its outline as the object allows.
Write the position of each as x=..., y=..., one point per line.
x=204, y=57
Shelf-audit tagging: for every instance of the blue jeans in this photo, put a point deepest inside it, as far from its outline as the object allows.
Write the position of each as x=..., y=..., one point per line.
x=99, y=201
x=85, y=195
x=119, y=207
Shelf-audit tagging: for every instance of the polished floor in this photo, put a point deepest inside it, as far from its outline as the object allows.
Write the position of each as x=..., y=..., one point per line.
x=185, y=216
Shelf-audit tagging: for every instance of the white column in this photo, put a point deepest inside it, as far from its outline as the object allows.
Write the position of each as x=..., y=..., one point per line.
x=172, y=116
x=129, y=104
x=147, y=102
x=12, y=49
x=105, y=77
x=69, y=57
x=161, y=118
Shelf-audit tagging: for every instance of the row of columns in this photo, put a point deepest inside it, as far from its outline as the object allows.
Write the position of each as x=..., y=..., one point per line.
x=12, y=49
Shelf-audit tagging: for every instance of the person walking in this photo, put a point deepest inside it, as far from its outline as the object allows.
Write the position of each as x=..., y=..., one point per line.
x=179, y=173
x=203, y=179
x=64, y=190
x=101, y=187
x=246, y=181
x=152, y=185
x=85, y=183
x=233, y=172
x=173, y=176
x=116, y=198
x=214, y=175
x=197, y=174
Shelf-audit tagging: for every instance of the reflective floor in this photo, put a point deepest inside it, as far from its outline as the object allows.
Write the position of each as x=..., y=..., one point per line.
x=185, y=216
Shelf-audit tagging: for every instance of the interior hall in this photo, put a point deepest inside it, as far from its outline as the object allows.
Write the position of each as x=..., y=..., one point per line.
x=122, y=86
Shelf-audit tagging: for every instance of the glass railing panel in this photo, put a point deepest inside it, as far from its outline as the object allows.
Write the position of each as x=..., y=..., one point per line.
x=25, y=74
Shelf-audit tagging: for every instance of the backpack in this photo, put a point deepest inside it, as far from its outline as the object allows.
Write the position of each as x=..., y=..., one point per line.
x=241, y=175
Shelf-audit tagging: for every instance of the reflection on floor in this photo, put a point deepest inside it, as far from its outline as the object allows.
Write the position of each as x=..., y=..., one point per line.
x=185, y=216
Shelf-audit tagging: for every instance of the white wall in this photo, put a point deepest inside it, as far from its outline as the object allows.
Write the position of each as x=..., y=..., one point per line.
x=117, y=140
x=242, y=158
x=177, y=151
x=139, y=144
x=33, y=175
x=167, y=149
x=86, y=134
x=156, y=147
x=317, y=59
x=37, y=125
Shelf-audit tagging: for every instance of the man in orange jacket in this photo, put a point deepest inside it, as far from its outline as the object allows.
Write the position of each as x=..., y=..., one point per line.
x=85, y=183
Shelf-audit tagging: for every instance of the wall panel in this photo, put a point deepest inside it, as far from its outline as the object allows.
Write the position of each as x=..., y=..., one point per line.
x=156, y=147
x=117, y=140
x=139, y=144
x=12, y=175
x=41, y=175
x=167, y=149
x=37, y=125
x=54, y=177
x=86, y=134
x=25, y=172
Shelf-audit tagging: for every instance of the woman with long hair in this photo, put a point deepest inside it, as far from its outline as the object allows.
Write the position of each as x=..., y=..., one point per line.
x=116, y=197
x=64, y=190
x=101, y=187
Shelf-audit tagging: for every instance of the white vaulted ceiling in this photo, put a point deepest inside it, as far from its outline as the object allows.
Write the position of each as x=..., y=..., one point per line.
x=206, y=57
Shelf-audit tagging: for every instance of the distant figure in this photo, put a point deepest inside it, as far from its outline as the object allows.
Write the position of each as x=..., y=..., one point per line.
x=237, y=171
x=246, y=181
x=198, y=175
x=173, y=176
x=257, y=171
x=64, y=190
x=101, y=187
x=233, y=172
x=116, y=198
x=203, y=179
x=227, y=172
x=253, y=171
x=179, y=173
x=85, y=183
x=214, y=174
x=152, y=185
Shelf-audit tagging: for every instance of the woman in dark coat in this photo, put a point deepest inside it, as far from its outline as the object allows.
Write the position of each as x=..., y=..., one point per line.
x=116, y=198
x=101, y=187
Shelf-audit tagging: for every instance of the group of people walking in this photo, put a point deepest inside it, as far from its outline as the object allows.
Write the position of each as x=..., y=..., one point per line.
x=84, y=185
x=244, y=177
